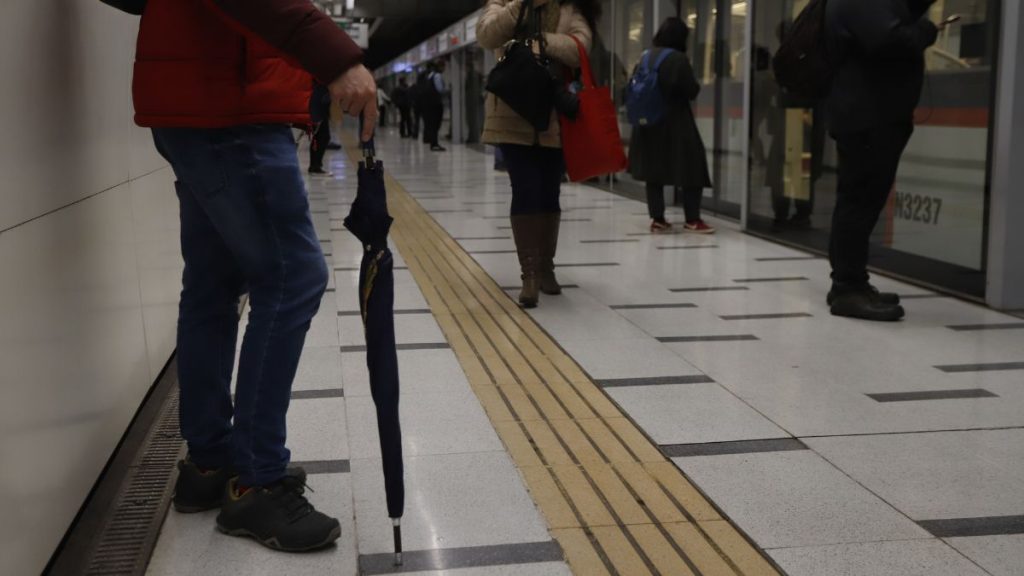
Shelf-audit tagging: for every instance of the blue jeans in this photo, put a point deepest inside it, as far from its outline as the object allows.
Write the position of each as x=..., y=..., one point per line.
x=245, y=226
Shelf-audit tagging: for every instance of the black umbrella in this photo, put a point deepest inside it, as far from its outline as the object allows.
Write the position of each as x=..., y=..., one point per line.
x=369, y=221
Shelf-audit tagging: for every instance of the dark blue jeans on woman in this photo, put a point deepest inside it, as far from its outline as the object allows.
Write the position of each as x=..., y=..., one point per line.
x=245, y=226
x=536, y=175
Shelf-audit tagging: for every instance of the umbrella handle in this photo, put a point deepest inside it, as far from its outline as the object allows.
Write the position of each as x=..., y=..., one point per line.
x=369, y=152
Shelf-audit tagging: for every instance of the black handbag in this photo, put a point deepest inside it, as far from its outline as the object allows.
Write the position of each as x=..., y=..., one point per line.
x=135, y=7
x=522, y=78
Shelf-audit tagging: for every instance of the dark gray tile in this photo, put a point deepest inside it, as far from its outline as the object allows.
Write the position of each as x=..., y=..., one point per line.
x=654, y=381
x=980, y=327
x=787, y=258
x=452, y=211
x=709, y=338
x=323, y=466
x=514, y=288
x=586, y=264
x=779, y=279
x=991, y=367
x=577, y=220
x=425, y=346
x=766, y=316
x=711, y=289
x=485, y=202
x=931, y=395
x=356, y=268
x=504, y=227
x=693, y=247
x=611, y=241
x=405, y=311
x=313, y=394
x=461, y=238
x=985, y=526
x=652, y=306
x=491, y=251
x=737, y=447
x=455, y=558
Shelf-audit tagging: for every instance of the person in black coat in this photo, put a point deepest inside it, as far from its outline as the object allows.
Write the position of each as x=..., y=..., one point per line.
x=877, y=49
x=400, y=96
x=320, y=115
x=671, y=152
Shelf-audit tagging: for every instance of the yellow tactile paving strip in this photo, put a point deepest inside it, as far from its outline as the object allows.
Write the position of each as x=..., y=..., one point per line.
x=613, y=501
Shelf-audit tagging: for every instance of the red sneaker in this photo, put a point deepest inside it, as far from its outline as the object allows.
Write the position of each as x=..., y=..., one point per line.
x=698, y=227
x=661, y=226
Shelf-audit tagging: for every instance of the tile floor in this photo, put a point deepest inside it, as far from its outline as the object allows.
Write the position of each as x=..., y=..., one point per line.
x=853, y=494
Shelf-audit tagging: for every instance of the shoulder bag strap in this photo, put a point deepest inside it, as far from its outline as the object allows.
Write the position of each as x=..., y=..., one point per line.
x=588, y=73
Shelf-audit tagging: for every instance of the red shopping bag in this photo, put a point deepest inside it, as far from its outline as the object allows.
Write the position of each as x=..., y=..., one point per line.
x=591, y=143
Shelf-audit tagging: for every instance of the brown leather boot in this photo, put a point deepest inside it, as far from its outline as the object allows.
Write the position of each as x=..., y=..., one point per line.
x=549, y=246
x=527, y=230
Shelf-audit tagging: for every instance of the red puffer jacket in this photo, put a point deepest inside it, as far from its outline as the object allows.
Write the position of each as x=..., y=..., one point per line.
x=218, y=63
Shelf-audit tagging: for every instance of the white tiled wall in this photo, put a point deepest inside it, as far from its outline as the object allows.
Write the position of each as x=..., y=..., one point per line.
x=89, y=263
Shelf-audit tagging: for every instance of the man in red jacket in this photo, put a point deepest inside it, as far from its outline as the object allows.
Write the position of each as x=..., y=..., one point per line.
x=220, y=82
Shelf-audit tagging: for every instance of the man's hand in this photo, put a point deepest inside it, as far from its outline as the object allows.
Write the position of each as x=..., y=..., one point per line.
x=356, y=92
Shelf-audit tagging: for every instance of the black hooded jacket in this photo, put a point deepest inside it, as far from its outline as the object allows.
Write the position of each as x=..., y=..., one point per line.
x=877, y=48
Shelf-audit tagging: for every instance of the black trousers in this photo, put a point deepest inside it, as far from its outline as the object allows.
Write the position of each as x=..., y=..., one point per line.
x=432, y=118
x=405, y=121
x=318, y=147
x=536, y=175
x=692, y=198
x=868, y=162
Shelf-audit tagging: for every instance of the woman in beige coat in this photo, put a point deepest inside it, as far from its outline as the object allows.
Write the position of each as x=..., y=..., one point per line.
x=534, y=159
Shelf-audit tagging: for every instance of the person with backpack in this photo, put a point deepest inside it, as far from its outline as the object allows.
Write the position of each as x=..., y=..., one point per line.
x=533, y=157
x=245, y=227
x=666, y=147
x=432, y=104
x=876, y=49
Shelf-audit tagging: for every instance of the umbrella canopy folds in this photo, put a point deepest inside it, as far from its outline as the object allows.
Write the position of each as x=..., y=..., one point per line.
x=369, y=221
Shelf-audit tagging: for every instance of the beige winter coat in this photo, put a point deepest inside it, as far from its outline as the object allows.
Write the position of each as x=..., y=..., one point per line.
x=494, y=30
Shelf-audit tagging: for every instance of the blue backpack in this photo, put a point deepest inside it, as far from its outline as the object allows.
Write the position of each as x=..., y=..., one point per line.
x=645, y=105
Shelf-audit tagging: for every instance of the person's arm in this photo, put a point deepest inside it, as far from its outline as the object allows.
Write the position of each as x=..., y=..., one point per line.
x=561, y=47
x=497, y=23
x=299, y=30
x=878, y=29
x=676, y=74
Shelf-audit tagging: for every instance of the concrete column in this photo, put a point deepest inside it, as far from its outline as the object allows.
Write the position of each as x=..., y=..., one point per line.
x=1006, y=221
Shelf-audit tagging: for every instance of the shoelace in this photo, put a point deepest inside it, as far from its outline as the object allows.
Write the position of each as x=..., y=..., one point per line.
x=289, y=492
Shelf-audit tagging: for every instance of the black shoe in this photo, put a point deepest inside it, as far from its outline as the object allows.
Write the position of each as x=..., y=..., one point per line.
x=890, y=298
x=277, y=516
x=436, y=148
x=864, y=304
x=197, y=490
x=334, y=146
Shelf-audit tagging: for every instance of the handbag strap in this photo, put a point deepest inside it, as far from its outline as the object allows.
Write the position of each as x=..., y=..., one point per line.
x=526, y=6
x=588, y=73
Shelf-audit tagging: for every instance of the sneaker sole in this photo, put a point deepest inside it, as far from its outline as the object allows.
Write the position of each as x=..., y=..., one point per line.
x=273, y=544
x=893, y=317
x=194, y=508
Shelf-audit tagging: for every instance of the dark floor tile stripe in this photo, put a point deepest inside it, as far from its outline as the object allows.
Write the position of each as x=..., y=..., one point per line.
x=577, y=220
x=985, y=526
x=356, y=268
x=932, y=395
x=312, y=394
x=652, y=306
x=654, y=381
x=409, y=311
x=324, y=466
x=991, y=367
x=787, y=258
x=981, y=327
x=612, y=241
x=779, y=279
x=491, y=251
x=709, y=338
x=461, y=238
x=694, y=247
x=921, y=296
x=514, y=288
x=737, y=447
x=766, y=316
x=586, y=265
x=711, y=289
x=320, y=211
x=456, y=558
x=424, y=346
x=453, y=211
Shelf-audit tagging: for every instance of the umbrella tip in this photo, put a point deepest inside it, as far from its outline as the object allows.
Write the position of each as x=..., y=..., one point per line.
x=396, y=524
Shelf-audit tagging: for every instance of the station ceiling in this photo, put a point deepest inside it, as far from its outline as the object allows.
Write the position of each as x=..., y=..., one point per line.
x=399, y=25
